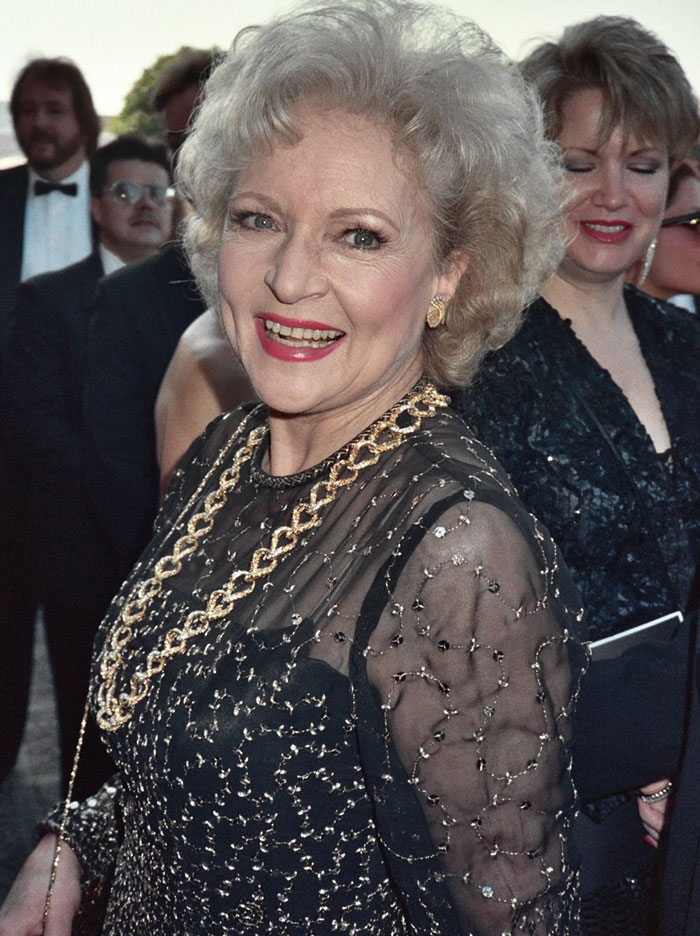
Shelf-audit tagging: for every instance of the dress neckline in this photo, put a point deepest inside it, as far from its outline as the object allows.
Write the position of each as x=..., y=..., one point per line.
x=284, y=482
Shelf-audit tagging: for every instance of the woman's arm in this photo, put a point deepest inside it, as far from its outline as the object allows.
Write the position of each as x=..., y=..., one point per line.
x=479, y=695
x=86, y=864
x=203, y=380
x=22, y=913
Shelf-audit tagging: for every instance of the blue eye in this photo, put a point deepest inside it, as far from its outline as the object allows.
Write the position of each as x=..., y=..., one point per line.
x=257, y=222
x=253, y=221
x=363, y=239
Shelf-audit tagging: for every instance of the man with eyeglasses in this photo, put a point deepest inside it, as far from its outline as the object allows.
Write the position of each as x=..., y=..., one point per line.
x=71, y=572
x=140, y=314
x=674, y=274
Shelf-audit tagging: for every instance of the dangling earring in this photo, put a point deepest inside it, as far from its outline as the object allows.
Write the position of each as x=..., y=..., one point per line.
x=648, y=260
x=436, y=315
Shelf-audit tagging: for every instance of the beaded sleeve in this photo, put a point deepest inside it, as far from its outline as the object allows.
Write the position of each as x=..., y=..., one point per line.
x=92, y=831
x=476, y=669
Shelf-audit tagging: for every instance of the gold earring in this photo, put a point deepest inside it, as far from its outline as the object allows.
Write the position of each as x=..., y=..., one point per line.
x=436, y=315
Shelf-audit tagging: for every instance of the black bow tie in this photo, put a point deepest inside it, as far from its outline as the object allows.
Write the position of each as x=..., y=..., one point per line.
x=43, y=188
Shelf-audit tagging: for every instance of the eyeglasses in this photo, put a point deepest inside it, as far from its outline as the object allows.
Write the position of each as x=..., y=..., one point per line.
x=134, y=192
x=691, y=221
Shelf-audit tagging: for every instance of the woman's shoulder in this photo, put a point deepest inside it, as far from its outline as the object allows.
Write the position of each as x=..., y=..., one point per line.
x=219, y=435
x=451, y=451
x=453, y=471
x=468, y=519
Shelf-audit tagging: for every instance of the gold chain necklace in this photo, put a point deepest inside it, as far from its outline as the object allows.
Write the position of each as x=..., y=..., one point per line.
x=114, y=709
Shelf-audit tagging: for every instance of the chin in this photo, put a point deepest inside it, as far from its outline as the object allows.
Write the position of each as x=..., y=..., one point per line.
x=289, y=402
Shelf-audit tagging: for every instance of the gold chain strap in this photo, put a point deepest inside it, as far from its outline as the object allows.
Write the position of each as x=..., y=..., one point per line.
x=61, y=837
x=115, y=709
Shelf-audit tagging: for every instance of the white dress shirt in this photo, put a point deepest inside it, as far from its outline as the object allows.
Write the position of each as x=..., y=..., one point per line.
x=110, y=261
x=685, y=301
x=57, y=227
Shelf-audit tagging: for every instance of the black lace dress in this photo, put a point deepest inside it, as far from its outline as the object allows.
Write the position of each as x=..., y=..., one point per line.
x=626, y=518
x=365, y=728
x=627, y=521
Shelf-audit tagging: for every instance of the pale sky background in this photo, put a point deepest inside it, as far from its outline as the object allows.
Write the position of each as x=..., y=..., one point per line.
x=114, y=40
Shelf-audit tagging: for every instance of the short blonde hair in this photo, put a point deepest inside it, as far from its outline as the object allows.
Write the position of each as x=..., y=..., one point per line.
x=643, y=87
x=450, y=99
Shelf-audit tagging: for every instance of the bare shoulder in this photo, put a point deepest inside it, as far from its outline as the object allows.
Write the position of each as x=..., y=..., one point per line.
x=203, y=338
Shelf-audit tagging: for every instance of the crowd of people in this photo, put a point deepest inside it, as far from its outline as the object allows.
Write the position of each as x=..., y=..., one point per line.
x=403, y=338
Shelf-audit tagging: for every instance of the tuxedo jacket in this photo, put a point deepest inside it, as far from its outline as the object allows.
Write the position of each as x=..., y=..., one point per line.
x=140, y=313
x=41, y=396
x=14, y=183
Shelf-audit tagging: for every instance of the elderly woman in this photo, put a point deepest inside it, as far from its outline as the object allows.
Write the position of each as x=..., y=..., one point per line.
x=592, y=409
x=338, y=684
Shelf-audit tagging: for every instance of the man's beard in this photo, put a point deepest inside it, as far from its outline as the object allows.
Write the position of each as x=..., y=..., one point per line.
x=54, y=157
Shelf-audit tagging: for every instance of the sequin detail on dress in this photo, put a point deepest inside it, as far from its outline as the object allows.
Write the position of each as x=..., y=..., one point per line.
x=373, y=741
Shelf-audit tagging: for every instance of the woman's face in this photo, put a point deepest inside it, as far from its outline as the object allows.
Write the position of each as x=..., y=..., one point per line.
x=618, y=193
x=676, y=266
x=326, y=270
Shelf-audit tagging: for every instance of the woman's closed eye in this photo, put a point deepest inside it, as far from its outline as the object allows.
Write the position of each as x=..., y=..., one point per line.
x=645, y=168
x=578, y=167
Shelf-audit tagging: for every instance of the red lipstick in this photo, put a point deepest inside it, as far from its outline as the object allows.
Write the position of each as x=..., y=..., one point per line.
x=606, y=232
x=299, y=340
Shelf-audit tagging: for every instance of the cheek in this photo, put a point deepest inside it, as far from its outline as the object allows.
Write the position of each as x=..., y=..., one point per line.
x=400, y=298
x=578, y=192
x=228, y=323
x=678, y=252
x=652, y=196
x=231, y=288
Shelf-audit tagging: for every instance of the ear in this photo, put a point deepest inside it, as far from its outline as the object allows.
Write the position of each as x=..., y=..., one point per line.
x=453, y=269
x=96, y=210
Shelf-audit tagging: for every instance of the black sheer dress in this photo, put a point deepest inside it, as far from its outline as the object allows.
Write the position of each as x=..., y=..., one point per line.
x=627, y=520
x=361, y=727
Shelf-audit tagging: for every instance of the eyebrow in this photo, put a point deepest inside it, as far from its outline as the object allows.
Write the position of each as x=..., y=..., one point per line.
x=642, y=151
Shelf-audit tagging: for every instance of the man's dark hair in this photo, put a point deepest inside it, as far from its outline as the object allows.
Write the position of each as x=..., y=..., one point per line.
x=126, y=146
x=190, y=68
x=60, y=73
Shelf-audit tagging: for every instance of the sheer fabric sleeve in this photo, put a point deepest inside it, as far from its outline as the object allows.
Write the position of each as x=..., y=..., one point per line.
x=93, y=831
x=476, y=669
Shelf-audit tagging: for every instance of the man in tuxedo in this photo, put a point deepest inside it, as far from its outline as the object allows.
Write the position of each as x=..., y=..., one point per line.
x=45, y=225
x=64, y=562
x=45, y=202
x=140, y=313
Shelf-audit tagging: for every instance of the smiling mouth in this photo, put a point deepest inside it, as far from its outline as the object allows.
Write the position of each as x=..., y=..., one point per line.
x=606, y=228
x=301, y=337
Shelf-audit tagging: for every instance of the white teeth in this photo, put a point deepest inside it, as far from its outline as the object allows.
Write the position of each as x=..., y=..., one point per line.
x=305, y=336
x=606, y=228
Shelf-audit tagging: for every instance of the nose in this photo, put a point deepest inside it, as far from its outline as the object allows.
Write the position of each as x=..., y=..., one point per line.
x=146, y=199
x=41, y=117
x=295, y=272
x=611, y=192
